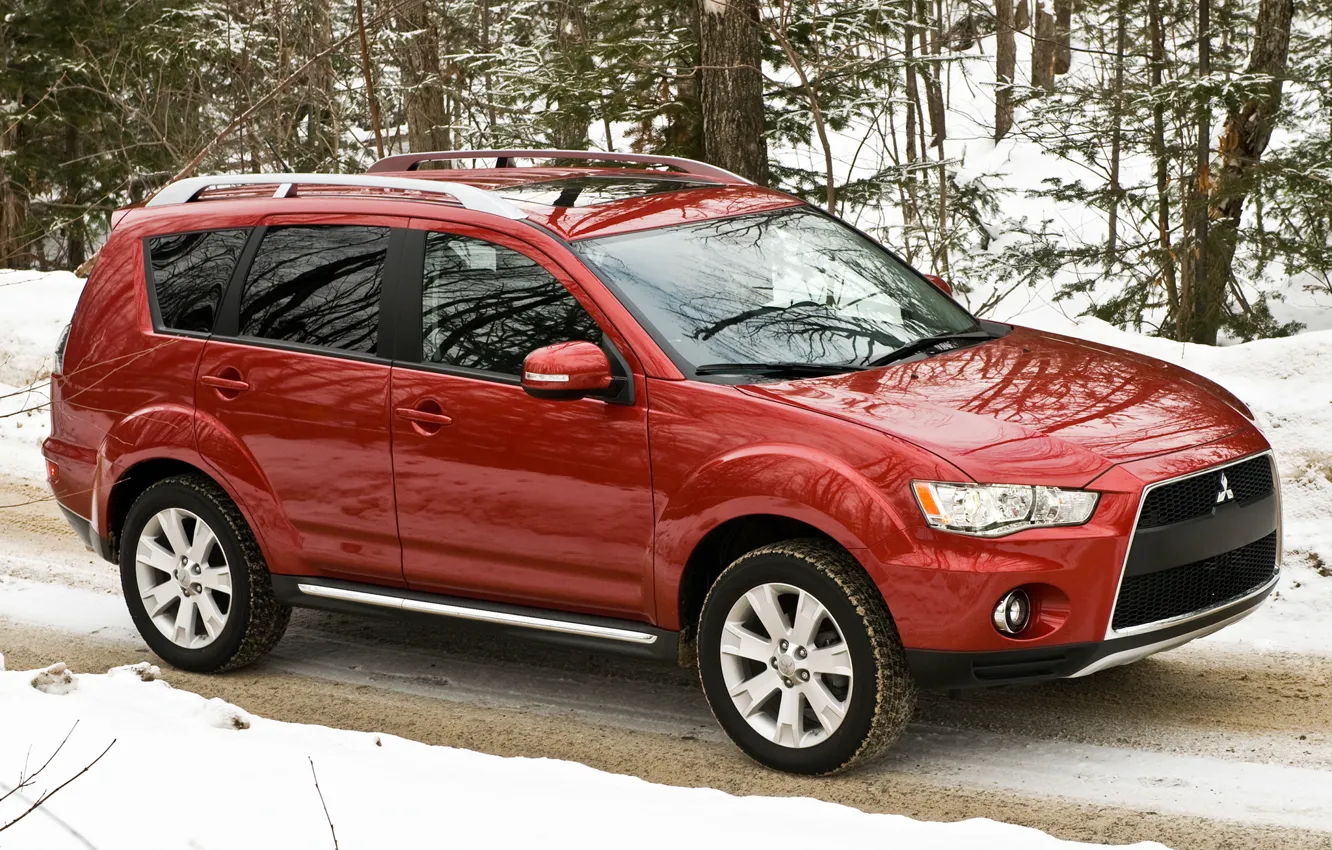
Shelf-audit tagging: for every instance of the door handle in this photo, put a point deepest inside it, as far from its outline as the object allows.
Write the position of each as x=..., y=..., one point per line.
x=428, y=421
x=220, y=383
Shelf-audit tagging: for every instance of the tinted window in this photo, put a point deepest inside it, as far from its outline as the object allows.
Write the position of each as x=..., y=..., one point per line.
x=190, y=273
x=317, y=286
x=487, y=307
x=776, y=287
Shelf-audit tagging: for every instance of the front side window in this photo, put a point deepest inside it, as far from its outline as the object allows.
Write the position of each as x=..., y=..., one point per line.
x=487, y=307
x=317, y=286
x=791, y=286
x=190, y=273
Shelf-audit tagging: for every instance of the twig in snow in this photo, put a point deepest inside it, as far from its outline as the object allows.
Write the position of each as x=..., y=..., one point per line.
x=328, y=818
x=27, y=781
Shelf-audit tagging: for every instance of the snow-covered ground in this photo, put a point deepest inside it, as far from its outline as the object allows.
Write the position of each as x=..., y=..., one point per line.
x=186, y=772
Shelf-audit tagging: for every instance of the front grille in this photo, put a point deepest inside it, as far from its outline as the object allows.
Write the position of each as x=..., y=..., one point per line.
x=1203, y=584
x=1196, y=496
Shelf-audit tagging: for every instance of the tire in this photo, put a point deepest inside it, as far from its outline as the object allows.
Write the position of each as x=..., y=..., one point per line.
x=227, y=628
x=875, y=702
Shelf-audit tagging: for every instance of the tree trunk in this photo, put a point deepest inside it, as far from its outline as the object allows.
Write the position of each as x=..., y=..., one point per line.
x=572, y=114
x=1198, y=310
x=731, y=87
x=1043, y=50
x=1244, y=138
x=1116, y=131
x=1022, y=16
x=1063, y=16
x=1165, y=252
x=427, y=120
x=367, y=71
x=1005, y=67
x=929, y=71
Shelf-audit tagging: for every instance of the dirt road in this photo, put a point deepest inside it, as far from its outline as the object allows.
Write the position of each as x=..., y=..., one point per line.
x=1197, y=749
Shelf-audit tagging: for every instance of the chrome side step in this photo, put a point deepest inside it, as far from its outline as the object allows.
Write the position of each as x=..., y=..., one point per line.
x=479, y=615
x=592, y=632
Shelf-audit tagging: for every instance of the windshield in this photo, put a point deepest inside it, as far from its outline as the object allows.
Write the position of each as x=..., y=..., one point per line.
x=791, y=286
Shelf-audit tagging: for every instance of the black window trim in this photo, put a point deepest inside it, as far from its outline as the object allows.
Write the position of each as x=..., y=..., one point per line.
x=409, y=348
x=150, y=281
x=227, y=326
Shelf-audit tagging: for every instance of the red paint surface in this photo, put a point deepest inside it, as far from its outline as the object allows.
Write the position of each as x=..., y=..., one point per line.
x=400, y=474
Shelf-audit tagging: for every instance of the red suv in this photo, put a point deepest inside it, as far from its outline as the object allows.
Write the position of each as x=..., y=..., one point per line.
x=665, y=411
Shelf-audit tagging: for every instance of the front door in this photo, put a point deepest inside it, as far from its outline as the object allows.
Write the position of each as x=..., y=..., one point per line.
x=500, y=495
x=294, y=375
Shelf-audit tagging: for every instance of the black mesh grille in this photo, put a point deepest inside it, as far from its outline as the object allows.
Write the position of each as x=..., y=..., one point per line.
x=1192, y=587
x=1196, y=496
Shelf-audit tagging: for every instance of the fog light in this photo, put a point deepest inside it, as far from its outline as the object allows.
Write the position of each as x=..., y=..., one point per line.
x=1012, y=613
x=52, y=471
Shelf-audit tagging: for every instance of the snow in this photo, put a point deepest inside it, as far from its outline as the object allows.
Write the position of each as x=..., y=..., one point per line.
x=380, y=791
x=34, y=308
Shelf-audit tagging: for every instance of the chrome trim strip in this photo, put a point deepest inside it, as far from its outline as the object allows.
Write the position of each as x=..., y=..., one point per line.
x=472, y=198
x=1142, y=500
x=480, y=615
x=1138, y=653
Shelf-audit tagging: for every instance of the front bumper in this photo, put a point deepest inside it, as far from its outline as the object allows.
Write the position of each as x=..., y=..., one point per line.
x=933, y=669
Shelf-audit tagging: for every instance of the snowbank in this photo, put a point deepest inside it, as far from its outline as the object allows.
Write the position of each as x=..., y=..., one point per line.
x=189, y=772
x=34, y=308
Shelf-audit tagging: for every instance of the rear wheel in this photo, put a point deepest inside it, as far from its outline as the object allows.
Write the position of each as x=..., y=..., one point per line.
x=800, y=660
x=194, y=579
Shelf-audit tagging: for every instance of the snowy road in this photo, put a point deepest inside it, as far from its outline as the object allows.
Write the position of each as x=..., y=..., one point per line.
x=1204, y=747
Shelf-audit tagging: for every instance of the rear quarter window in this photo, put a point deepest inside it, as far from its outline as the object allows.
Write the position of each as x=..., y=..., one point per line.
x=190, y=271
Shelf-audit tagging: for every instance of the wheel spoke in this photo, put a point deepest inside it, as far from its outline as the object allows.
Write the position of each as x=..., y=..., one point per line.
x=202, y=544
x=808, y=615
x=156, y=599
x=757, y=688
x=826, y=707
x=789, y=720
x=738, y=640
x=213, y=620
x=153, y=554
x=174, y=529
x=184, y=633
x=763, y=600
x=835, y=660
x=216, y=578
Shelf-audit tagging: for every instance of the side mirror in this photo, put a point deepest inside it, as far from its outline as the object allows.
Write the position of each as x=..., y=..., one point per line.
x=567, y=371
x=943, y=285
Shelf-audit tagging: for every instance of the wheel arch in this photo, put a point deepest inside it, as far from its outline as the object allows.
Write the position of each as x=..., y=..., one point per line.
x=133, y=481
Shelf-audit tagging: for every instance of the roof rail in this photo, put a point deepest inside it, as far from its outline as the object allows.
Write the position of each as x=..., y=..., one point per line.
x=504, y=159
x=472, y=198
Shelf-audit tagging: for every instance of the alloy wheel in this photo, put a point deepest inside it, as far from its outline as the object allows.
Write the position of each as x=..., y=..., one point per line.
x=786, y=665
x=183, y=578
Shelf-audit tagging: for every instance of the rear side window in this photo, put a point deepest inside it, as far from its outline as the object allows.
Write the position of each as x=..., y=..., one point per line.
x=190, y=273
x=317, y=286
x=487, y=307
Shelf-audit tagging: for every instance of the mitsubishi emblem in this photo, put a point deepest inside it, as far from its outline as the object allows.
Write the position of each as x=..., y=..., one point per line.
x=1225, y=494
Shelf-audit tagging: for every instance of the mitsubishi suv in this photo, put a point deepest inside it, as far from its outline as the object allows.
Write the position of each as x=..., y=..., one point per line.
x=637, y=403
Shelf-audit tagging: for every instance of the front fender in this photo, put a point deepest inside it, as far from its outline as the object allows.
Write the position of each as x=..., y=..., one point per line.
x=787, y=480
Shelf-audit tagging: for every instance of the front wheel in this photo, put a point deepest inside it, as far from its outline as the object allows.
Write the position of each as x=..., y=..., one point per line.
x=800, y=659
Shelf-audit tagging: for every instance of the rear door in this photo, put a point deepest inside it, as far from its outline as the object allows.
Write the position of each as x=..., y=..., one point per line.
x=504, y=496
x=294, y=372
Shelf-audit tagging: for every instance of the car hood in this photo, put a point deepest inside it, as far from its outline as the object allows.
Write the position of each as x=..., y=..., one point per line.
x=1027, y=408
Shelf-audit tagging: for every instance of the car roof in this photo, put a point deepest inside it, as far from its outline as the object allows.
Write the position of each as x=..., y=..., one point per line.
x=584, y=203
x=573, y=203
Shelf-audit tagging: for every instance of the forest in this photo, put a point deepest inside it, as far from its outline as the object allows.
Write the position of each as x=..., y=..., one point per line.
x=1164, y=165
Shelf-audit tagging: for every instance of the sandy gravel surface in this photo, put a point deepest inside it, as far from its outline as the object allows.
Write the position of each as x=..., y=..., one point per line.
x=1200, y=709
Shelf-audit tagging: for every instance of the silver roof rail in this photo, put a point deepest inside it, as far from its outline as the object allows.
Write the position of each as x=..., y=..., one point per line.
x=505, y=158
x=472, y=198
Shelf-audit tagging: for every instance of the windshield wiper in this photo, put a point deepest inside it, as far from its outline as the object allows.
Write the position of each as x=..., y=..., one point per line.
x=928, y=342
x=780, y=368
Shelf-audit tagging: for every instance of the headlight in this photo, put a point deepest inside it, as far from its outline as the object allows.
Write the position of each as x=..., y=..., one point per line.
x=991, y=510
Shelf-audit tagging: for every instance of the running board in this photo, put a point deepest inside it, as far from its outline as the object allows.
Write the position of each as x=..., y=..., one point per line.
x=592, y=632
